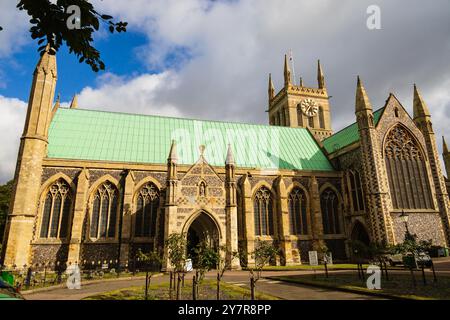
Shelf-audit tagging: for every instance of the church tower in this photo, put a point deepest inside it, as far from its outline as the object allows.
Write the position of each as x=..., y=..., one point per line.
x=300, y=106
x=32, y=151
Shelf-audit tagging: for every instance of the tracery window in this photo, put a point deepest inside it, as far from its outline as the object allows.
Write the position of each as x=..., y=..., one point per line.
x=329, y=203
x=57, y=211
x=356, y=191
x=406, y=168
x=104, y=211
x=298, y=222
x=263, y=212
x=147, y=211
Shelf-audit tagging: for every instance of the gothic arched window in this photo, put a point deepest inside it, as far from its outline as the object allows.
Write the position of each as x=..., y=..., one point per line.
x=147, y=211
x=105, y=211
x=321, y=118
x=356, y=191
x=263, y=212
x=329, y=203
x=311, y=122
x=298, y=222
x=57, y=211
x=407, y=173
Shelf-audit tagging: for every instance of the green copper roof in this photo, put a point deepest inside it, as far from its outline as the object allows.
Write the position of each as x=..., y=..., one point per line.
x=348, y=135
x=108, y=136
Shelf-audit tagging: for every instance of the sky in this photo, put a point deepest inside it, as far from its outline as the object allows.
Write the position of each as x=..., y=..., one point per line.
x=211, y=59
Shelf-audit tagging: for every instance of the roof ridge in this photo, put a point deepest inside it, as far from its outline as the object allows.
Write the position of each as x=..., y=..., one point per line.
x=351, y=124
x=180, y=118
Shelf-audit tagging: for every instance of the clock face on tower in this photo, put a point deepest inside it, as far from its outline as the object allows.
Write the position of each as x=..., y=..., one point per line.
x=309, y=107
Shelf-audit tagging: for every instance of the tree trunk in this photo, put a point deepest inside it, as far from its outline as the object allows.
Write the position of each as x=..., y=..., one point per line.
x=252, y=288
x=434, y=272
x=413, y=277
x=146, y=286
x=170, y=285
x=194, y=288
x=178, y=286
x=423, y=275
x=386, y=270
x=218, y=286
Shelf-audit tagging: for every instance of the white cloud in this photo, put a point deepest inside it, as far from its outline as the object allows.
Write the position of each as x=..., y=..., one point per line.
x=15, y=31
x=136, y=95
x=11, y=124
x=233, y=45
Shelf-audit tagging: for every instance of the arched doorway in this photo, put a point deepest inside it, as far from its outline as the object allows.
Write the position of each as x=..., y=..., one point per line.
x=359, y=233
x=202, y=229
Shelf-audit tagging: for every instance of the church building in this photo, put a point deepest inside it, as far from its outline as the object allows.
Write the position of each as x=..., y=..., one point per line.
x=98, y=186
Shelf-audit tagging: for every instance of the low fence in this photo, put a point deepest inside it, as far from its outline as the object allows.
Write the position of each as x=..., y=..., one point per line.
x=54, y=272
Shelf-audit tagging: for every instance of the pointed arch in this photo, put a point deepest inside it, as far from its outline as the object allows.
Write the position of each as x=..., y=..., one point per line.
x=142, y=183
x=330, y=203
x=148, y=203
x=211, y=215
x=56, y=212
x=298, y=211
x=263, y=210
x=104, y=208
x=359, y=233
x=101, y=180
x=46, y=185
x=406, y=166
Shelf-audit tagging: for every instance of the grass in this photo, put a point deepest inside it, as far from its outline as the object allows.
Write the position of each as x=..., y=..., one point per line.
x=50, y=279
x=398, y=286
x=306, y=267
x=207, y=291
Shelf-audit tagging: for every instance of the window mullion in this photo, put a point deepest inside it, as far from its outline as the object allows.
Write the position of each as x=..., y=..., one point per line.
x=51, y=217
x=99, y=218
x=63, y=199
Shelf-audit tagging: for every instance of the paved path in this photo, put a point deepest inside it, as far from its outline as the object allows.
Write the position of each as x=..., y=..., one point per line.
x=239, y=278
x=291, y=291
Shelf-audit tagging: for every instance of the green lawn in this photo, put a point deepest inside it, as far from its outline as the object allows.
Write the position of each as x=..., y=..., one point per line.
x=38, y=280
x=398, y=285
x=305, y=267
x=308, y=267
x=207, y=291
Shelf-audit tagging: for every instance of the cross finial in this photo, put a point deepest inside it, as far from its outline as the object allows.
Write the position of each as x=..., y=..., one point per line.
x=202, y=149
